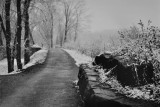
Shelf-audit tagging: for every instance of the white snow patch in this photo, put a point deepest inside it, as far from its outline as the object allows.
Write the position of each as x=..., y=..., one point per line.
x=78, y=57
x=4, y=67
x=37, y=58
x=36, y=46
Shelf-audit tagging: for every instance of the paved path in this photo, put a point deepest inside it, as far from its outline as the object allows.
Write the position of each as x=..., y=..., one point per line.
x=47, y=85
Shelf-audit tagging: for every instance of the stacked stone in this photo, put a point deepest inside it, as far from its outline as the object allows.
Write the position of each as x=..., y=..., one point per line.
x=95, y=95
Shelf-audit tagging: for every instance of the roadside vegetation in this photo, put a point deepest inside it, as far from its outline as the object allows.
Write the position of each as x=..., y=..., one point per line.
x=137, y=44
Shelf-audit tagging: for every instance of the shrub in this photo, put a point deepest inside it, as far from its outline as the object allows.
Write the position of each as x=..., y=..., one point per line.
x=142, y=44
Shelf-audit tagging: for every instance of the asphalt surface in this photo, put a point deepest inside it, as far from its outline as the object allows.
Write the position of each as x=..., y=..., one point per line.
x=46, y=85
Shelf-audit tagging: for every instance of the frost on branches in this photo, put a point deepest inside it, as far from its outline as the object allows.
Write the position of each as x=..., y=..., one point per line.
x=136, y=63
x=139, y=49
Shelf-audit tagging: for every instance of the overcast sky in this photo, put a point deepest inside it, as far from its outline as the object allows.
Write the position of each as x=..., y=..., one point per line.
x=115, y=14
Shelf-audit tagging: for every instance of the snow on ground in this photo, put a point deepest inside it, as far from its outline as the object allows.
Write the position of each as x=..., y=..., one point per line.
x=4, y=67
x=36, y=46
x=37, y=58
x=78, y=57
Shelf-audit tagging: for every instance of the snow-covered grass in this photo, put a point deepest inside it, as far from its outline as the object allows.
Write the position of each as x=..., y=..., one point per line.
x=37, y=58
x=78, y=57
x=4, y=67
x=146, y=92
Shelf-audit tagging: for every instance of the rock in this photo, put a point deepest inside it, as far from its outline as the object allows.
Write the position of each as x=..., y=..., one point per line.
x=106, y=61
x=127, y=73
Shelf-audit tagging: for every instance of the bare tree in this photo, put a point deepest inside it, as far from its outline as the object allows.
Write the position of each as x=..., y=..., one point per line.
x=79, y=16
x=73, y=11
x=67, y=15
x=43, y=17
x=8, y=33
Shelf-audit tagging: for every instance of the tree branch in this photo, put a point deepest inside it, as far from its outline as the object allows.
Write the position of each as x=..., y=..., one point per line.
x=2, y=25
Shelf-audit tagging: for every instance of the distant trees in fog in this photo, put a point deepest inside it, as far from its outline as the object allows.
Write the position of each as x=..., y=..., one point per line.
x=51, y=20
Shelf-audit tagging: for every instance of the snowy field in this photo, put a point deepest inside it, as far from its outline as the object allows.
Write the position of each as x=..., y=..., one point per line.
x=37, y=58
x=78, y=57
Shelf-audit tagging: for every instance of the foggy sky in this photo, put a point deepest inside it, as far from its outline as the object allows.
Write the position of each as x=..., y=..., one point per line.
x=115, y=14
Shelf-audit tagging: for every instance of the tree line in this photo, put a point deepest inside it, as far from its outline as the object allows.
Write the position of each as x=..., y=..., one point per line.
x=13, y=40
x=52, y=20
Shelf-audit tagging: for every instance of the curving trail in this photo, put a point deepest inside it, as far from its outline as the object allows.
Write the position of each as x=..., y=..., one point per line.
x=46, y=85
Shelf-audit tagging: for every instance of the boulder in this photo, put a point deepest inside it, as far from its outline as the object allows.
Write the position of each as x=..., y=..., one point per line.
x=127, y=72
x=106, y=61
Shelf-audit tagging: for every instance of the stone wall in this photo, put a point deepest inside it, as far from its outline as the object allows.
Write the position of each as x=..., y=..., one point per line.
x=95, y=95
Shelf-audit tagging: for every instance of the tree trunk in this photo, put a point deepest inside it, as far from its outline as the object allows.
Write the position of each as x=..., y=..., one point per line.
x=31, y=37
x=26, y=36
x=13, y=51
x=66, y=27
x=51, y=41
x=75, y=37
x=51, y=37
x=65, y=33
x=52, y=31
x=8, y=36
x=18, y=35
x=2, y=29
x=76, y=28
x=2, y=26
x=1, y=40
